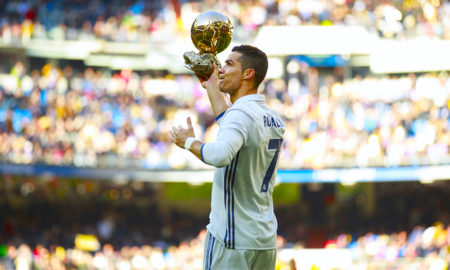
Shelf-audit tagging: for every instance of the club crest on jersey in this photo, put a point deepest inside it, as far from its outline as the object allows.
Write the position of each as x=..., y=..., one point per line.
x=270, y=121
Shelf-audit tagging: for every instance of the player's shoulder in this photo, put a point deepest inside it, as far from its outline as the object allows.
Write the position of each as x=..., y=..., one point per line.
x=239, y=113
x=249, y=106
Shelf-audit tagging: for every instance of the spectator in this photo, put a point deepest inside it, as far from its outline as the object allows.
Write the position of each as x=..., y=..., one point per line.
x=95, y=118
x=157, y=20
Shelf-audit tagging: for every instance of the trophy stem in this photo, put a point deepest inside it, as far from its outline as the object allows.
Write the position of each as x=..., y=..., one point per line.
x=201, y=63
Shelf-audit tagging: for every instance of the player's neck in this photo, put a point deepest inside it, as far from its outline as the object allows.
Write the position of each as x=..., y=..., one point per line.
x=245, y=90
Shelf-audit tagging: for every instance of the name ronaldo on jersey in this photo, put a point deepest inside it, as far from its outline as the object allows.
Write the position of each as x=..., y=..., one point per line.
x=270, y=121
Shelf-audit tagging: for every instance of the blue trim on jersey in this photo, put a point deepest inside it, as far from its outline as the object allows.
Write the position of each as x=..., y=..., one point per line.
x=201, y=152
x=225, y=239
x=228, y=206
x=207, y=252
x=211, y=252
x=226, y=199
x=220, y=115
x=232, y=202
x=230, y=174
x=224, y=189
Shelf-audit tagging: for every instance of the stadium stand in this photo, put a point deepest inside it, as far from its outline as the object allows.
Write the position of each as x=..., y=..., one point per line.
x=65, y=106
x=91, y=223
x=136, y=21
x=90, y=117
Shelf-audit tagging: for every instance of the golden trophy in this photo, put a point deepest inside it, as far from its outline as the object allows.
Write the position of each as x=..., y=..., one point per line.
x=211, y=33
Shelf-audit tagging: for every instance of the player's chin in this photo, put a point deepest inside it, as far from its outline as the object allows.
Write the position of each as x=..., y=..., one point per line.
x=221, y=85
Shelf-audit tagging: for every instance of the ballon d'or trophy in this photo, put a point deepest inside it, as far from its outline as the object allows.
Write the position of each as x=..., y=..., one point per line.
x=211, y=33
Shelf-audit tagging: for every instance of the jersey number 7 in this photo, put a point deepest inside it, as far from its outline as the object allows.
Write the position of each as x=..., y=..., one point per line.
x=273, y=144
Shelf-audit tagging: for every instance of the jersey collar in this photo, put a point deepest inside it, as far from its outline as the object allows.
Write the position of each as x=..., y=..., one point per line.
x=253, y=97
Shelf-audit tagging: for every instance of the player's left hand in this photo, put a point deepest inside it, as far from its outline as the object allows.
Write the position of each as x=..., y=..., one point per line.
x=178, y=135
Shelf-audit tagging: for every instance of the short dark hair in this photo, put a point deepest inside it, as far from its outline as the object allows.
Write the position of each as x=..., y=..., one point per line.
x=254, y=58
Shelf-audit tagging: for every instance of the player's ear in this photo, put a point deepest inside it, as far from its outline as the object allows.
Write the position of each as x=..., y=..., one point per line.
x=249, y=73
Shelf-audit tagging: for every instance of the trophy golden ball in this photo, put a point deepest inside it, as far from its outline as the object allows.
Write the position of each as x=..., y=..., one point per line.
x=211, y=32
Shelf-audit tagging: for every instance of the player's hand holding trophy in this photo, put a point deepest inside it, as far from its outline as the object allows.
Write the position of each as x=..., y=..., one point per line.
x=211, y=33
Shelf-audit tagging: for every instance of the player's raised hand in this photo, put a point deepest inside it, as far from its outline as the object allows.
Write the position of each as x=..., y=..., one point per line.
x=190, y=127
x=213, y=80
x=178, y=135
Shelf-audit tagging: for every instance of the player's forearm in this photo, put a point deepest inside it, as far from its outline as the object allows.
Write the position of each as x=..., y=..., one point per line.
x=196, y=149
x=219, y=155
x=218, y=101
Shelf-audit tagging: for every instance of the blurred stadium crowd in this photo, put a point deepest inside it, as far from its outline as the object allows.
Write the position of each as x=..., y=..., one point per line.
x=64, y=114
x=93, y=117
x=422, y=248
x=122, y=226
x=136, y=21
x=88, y=117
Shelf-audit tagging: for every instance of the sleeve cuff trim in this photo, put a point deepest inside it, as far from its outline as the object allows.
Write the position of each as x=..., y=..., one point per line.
x=201, y=152
x=220, y=116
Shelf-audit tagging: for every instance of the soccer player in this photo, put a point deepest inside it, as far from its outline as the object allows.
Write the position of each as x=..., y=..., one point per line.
x=243, y=227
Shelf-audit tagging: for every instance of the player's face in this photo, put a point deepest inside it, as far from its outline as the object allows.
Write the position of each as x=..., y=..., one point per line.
x=230, y=75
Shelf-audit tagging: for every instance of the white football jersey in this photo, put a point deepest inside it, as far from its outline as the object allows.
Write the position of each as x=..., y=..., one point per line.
x=245, y=155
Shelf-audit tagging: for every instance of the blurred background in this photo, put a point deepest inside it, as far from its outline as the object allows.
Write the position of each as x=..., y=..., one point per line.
x=90, y=89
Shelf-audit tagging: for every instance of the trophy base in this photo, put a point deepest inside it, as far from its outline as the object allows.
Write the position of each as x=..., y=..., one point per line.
x=201, y=64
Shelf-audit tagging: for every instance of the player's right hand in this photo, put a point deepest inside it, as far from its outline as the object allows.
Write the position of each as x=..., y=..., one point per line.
x=213, y=80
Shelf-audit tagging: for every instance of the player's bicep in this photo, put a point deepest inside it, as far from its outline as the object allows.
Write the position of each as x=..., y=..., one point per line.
x=231, y=137
x=221, y=152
